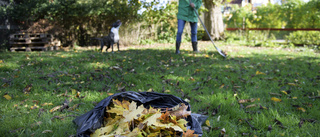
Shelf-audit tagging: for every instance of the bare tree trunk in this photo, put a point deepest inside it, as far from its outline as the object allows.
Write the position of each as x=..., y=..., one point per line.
x=213, y=20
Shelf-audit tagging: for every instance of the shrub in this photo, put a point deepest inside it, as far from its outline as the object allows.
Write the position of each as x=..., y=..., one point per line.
x=300, y=38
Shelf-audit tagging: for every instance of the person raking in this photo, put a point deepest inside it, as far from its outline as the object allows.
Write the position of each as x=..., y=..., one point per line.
x=187, y=14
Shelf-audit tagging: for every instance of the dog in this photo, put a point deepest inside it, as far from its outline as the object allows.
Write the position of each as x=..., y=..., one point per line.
x=112, y=38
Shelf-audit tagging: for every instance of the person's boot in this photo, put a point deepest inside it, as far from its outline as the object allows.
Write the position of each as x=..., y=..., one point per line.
x=195, y=47
x=178, y=47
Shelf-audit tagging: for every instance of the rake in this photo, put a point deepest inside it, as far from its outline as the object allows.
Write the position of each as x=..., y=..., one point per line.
x=220, y=51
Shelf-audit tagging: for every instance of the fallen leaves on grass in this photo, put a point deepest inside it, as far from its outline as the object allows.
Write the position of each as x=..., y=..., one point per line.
x=260, y=73
x=27, y=89
x=247, y=100
x=276, y=99
x=56, y=108
x=8, y=97
x=47, y=131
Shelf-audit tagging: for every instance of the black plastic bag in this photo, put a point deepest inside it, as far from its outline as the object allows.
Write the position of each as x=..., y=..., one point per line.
x=92, y=120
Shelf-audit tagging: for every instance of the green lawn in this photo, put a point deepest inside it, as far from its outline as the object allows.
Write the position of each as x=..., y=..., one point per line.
x=214, y=86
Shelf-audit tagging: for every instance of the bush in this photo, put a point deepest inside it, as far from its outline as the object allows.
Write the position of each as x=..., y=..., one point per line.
x=301, y=38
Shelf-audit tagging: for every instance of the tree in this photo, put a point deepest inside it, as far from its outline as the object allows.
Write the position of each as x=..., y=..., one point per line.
x=213, y=19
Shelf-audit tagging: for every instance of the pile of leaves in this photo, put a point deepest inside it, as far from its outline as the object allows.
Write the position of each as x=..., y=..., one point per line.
x=126, y=118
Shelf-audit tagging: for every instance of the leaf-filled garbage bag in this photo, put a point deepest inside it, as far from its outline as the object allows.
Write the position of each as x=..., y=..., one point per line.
x=92, y=120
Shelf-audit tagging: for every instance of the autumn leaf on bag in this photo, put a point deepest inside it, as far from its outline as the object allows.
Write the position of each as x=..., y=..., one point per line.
x=165, y=117
x=119, y=107
x=154, y=121
x=181, y=111
x=134, y=133
x=151, y=110
x=189, y=133
x=102, y=131
x=182, y=124
x=133, y=112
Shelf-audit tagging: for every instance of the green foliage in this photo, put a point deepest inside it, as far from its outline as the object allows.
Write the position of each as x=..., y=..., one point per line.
x=291, y=14
x=236, y=19
x=77, y=18
x=310, y=38
x=162, y=22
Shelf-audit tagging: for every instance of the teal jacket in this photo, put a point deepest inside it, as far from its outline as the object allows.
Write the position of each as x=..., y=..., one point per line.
x=185, y=11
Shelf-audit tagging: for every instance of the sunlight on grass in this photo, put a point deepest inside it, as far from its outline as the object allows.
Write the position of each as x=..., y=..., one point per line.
x=213, y=85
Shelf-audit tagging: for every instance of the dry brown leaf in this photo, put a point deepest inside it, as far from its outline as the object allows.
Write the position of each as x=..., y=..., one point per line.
x=56, y=108
x=189, y=133
x=181, y=111
x=247, y=100
x=27, y=89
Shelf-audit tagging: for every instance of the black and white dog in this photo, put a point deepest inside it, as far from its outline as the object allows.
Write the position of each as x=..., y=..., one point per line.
x=112, y=38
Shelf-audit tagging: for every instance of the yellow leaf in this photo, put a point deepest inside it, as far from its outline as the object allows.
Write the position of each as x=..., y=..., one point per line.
x=117, y=110
x=78, y=94
x=294, y=97
x=55, y=108
x=221, y=86
x=250, y=106
x=292, y=84
x=153, y=120
x=134, y=133
x=260, y=73
x=7, y=97
x=1, y=61
x=47, y=104
x=284, y=92
x=5, y=85
x=275, y=99
x=34, y=106
x=198, y=70
x=102, y=131
x=110, y=94
x=182, y=124
x=282, y=134
x=208, y=123
x=133, y=112
x=301, y=109
x=121, y=127
x=73, y=91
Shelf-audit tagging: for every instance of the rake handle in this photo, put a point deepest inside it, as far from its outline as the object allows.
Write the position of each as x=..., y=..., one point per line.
x=207, y=31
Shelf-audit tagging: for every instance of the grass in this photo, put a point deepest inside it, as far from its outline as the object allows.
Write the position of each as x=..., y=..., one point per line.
x=206, y=79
